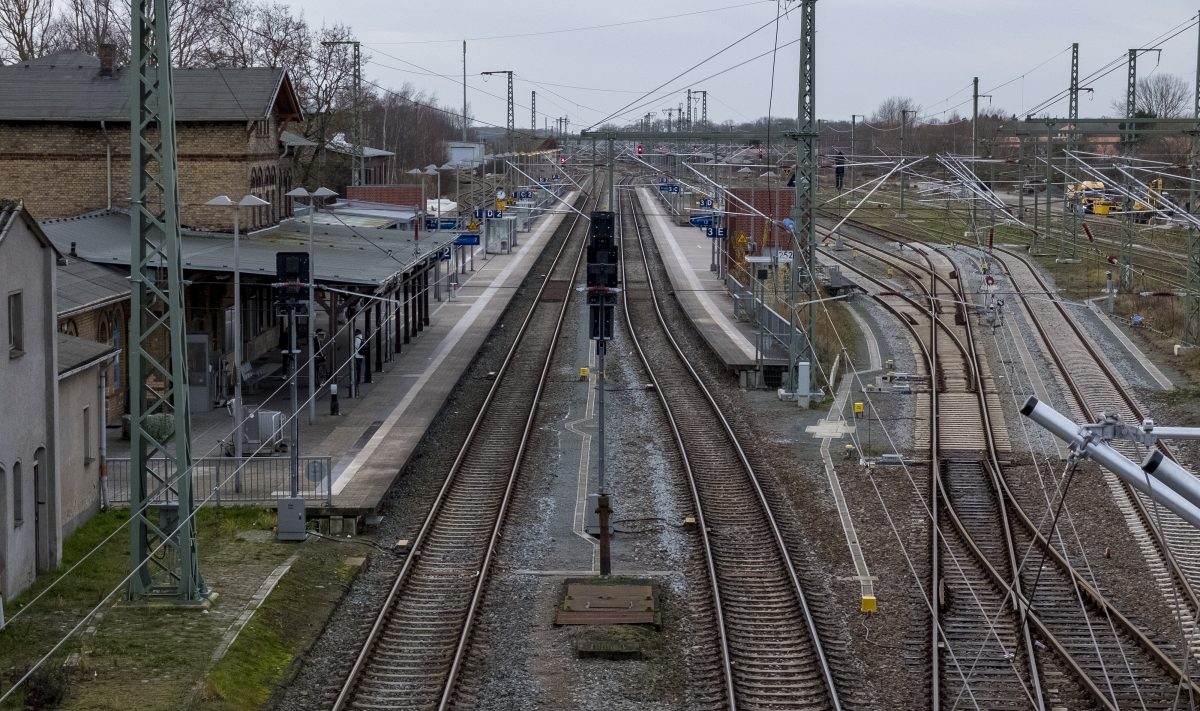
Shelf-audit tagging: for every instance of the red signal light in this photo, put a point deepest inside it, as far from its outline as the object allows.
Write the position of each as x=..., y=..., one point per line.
x=562, y=160
x=640, y=150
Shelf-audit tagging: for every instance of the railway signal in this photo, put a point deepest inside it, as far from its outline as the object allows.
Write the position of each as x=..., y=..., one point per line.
x=602, y=281
x=640, y=149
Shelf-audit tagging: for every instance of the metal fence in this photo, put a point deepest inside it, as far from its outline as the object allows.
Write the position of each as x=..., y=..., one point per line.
x=217, y=481
x=773, y=341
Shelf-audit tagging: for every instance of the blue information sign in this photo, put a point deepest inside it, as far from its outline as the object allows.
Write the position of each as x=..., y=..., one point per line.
x=715, y=232
x=467, y=240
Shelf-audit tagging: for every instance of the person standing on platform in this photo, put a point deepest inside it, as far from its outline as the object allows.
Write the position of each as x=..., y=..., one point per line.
x=358, y=356
x=839, y=169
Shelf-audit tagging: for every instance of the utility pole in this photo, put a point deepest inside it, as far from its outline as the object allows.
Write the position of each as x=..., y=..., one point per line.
x=1191, y=324
x=356, y=126
x=1128, y=232
x=803, y=209
x=903, y=172
x=511, y=125
x=162, y=550
x=853, y=144
x=533, y=111
x=688, y=125
x=670, y=114
x=464, y=125
x=612, y=160
x=704, y=108
x=974, y=145
x=1067, y=249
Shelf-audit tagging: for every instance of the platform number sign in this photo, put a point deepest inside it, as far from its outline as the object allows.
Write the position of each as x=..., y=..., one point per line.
x=706, y=202
x=488, y=214
x=715, y=232
x=444, y=254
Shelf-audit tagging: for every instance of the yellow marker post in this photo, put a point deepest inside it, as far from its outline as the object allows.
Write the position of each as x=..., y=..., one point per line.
x=583, y=373
x=858, y=409
x=890, y=271
x=869, y=604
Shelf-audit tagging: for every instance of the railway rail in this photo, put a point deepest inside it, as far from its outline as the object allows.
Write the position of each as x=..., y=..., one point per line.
x=772, y=653
x=1093, y=387
x=1108, y=656
x=414, y=651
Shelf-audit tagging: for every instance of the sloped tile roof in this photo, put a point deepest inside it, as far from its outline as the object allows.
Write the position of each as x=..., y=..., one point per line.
x=67, y=86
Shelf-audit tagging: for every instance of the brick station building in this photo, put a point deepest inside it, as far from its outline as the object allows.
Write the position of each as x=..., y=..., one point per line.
x=65, y=138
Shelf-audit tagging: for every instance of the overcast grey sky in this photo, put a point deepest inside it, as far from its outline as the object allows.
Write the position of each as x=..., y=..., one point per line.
x=867, y=50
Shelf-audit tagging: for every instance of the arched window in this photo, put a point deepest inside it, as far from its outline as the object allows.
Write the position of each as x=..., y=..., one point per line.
x=69, y=327
x=115, y=375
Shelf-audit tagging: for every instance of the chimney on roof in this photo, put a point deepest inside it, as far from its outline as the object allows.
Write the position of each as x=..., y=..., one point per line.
x=108, y=53
x=73, y=252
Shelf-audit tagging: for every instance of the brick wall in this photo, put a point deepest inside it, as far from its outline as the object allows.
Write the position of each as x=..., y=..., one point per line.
x=87, y=325
x=776, y=203
x=390, y=194
x=61, y=169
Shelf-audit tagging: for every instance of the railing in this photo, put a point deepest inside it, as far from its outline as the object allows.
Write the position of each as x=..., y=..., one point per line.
x=218, y=481
x=748, y=305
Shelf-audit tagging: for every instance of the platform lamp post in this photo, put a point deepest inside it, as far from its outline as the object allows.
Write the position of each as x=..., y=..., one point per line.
x=246, y=201
x=314, y=199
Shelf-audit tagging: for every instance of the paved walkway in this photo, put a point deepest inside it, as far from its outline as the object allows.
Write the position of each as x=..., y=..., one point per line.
x=687, y=253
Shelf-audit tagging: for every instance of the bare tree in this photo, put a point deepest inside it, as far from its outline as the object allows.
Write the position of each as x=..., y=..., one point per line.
x=23, y=28
x=195, y=30
x=891, y=111
x=1162, y=95
x=86, y=24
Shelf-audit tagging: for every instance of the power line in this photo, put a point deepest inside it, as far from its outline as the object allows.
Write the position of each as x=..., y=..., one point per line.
x=581, y=29
x=710, y=57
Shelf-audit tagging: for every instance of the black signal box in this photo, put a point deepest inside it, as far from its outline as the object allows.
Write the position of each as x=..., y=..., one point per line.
x=603, y=228
x=602, y=275
x=292, y=274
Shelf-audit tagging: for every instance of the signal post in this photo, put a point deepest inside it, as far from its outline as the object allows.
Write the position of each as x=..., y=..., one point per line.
x=602, y=290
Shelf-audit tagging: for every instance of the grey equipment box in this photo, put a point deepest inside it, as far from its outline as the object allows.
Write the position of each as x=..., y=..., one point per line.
x=291, y=523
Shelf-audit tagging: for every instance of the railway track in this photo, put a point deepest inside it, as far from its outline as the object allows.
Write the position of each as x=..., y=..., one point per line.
x=771, y=650
x=1114, y=662
x=1092, y=387
x=415, y=649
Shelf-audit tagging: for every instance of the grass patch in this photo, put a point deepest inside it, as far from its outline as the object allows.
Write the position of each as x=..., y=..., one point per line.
x=280, y=631
x=152, y=654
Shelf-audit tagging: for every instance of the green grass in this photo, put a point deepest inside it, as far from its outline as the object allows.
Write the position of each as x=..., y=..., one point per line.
x=157, y=655
x=286, y=625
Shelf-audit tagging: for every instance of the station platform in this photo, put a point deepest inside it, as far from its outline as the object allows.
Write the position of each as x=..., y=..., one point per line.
x=687, y=253
x=375, y=435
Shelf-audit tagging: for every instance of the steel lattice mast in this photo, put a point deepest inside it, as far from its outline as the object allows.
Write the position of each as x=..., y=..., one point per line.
x=1068, y=247
x=511, y=126
x=1125, y=266
x=803, y=278
x=162, y=552
x=1191, y=326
